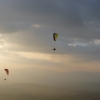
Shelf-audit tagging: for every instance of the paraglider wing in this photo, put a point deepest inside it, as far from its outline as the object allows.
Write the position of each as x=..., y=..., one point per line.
x=55, y=36
x=7, y=71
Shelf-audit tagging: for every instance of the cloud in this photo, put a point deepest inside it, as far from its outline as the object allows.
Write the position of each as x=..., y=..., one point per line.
x=27, y=27
x=65, y=17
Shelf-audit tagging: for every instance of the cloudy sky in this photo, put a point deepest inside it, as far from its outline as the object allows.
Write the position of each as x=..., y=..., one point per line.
x=26, y=43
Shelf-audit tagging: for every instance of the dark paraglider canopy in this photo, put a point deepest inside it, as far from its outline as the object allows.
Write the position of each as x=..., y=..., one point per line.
x=7, y=71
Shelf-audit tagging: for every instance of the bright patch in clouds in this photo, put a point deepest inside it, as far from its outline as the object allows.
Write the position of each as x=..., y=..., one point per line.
x=96, y=42
x=34, y=55
x=72, y=45
x=36, y=26
x=78, y=43
x=42, y=56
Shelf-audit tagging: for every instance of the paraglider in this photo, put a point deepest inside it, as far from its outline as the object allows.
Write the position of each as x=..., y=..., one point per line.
x=55, y=36
x=7, y=72
x=54, y=49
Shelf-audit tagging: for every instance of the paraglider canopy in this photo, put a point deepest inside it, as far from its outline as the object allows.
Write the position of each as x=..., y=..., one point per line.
x=55, y=36
x=7, y=71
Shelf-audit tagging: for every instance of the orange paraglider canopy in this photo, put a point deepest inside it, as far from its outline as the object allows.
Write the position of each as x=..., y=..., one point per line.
x=7, y=71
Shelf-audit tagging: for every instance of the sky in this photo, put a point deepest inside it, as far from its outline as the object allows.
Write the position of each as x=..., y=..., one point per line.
x=26, y=39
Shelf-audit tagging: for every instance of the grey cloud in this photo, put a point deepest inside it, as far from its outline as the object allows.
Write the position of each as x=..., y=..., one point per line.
x=83, y=53
x=52, y=13
x=65, y=17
